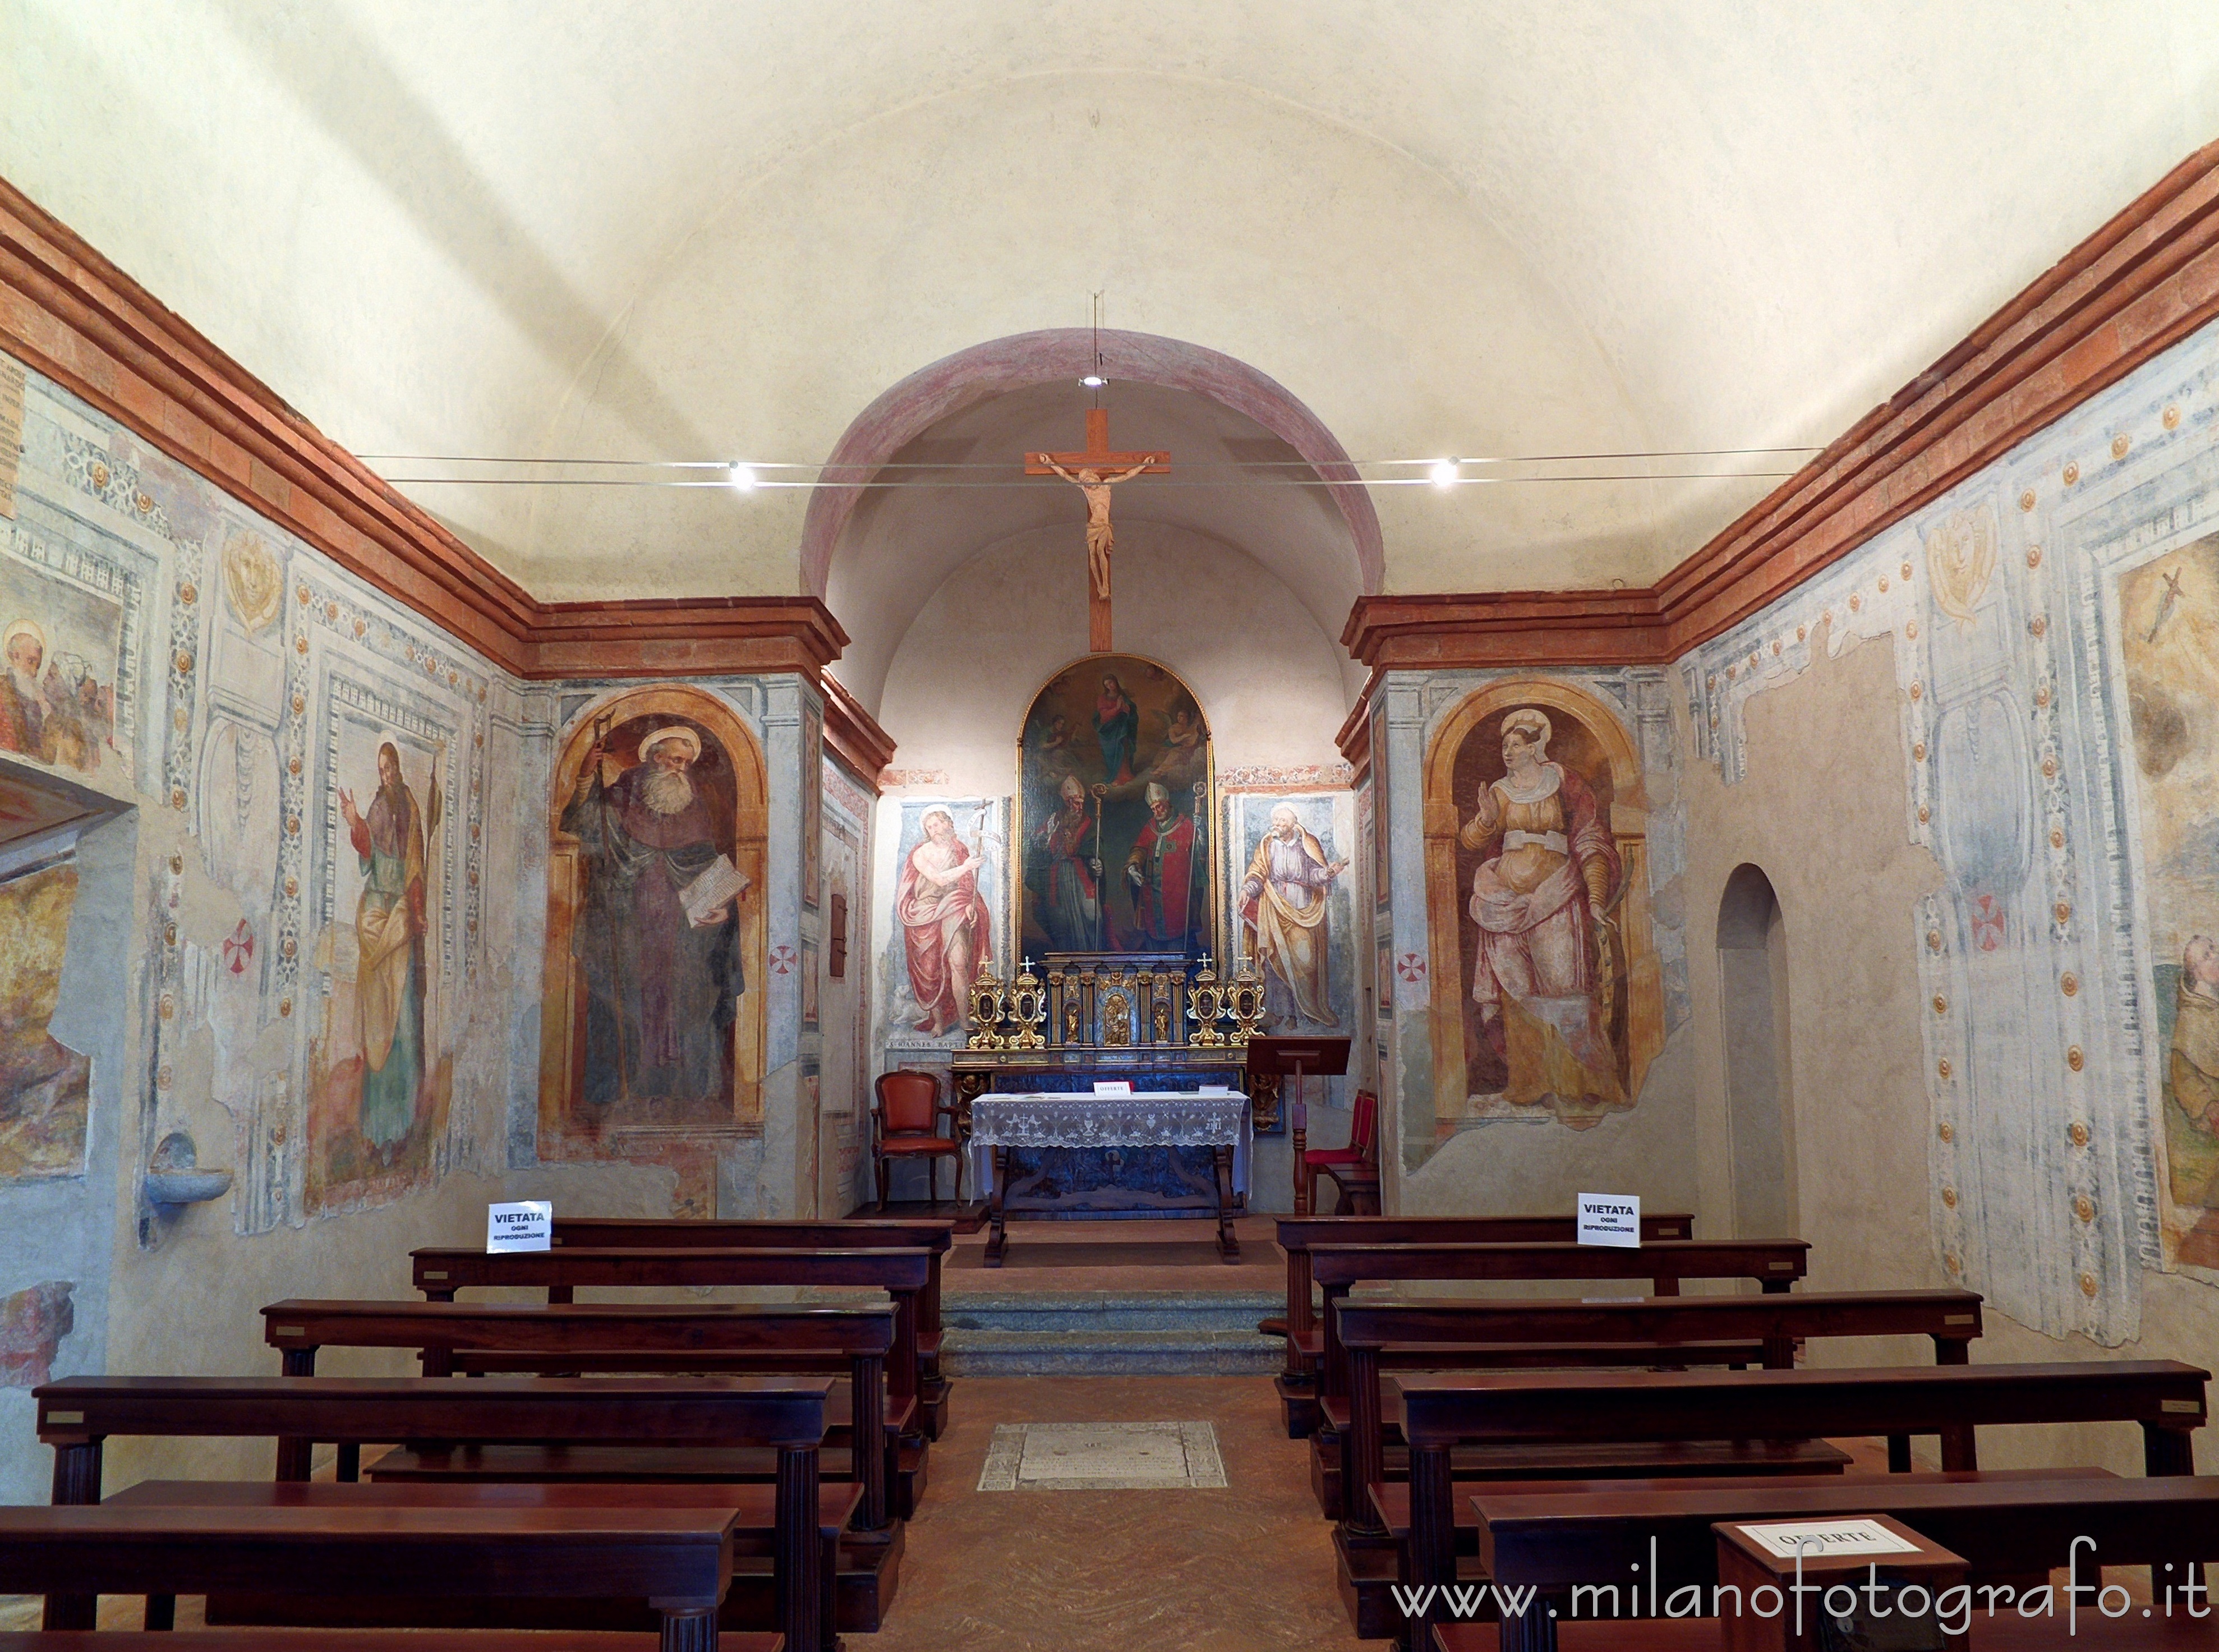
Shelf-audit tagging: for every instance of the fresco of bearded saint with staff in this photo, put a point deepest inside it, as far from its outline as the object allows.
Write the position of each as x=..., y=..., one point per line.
x=1542, y=899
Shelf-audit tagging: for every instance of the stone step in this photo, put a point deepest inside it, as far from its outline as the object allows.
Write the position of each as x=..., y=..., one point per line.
x=1040, y=1333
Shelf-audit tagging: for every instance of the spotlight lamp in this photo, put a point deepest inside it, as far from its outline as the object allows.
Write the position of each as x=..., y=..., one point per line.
x=742, y=477
x=1445, y=473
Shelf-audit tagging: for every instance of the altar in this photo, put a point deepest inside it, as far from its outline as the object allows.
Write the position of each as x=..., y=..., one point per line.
x=1164, y=1023
x=1046, y=1124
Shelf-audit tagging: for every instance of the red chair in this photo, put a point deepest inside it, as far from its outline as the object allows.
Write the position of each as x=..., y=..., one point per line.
x=1362, y=1149
x=902, y=1126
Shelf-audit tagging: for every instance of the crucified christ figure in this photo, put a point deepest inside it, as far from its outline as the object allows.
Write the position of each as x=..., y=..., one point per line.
x=1099, y=541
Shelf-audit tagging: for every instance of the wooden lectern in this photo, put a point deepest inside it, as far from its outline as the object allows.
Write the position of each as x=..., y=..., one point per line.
x=1298, y=1058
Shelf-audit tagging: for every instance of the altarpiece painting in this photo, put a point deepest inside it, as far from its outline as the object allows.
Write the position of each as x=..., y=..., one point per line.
x=1114, y=783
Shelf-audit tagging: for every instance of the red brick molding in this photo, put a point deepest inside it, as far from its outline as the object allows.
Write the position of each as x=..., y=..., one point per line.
x=84, y=323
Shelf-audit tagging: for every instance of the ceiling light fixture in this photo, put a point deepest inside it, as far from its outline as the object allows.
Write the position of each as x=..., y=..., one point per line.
x=1094, y=381
x=742, y=477
x=1444, y=472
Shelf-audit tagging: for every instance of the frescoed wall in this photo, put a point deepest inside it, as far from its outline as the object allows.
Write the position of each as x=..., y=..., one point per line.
x=45, y=1086
x=1529, y=947
x=843, y=967
x=2043, y=715
x=1537, y=886
x=657, y=974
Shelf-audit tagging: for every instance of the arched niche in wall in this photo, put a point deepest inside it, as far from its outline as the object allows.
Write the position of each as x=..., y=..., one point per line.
x=1753, y=1020
x=1577, y=1001
x=651, y=1028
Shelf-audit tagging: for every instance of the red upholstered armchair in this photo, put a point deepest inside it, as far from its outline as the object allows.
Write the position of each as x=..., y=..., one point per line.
x=1362, y=1149
x=902, y=1126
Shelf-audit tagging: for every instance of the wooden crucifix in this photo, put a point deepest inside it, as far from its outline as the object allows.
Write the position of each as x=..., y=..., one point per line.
x=1094, y=473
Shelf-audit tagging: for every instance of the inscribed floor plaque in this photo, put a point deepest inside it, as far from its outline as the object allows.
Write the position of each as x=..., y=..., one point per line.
x=1102, y=1457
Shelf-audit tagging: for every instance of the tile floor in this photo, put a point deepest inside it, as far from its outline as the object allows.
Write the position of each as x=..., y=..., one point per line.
x=1240, y=1569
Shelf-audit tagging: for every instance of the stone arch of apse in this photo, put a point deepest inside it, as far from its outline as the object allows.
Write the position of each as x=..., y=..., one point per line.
x=979, y=374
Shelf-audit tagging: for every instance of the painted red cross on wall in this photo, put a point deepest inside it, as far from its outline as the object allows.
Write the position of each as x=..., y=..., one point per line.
x=1412, y=967
x=1988, y=922
x=781, y=961
x=239, y=949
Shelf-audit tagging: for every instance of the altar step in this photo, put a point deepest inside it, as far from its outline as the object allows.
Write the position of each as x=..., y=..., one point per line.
x=1127, y=1334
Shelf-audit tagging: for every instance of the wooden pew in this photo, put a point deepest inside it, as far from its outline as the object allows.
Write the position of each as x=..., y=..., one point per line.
x=2013, y=1525
x=1775, y=1264
x=751, y=1511
x=682, y=1560
x=78, y=1415
x=719, y=1339
x=1295, y=1382
x=678, y=1232
x=1439, y=1412
x=902, y=1274
x=357, y=1639
x=1437, y=1335
x=636, y=1339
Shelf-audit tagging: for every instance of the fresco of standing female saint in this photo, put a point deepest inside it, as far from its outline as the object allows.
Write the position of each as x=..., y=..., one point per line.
x=1536, y=897
x=1541, y=902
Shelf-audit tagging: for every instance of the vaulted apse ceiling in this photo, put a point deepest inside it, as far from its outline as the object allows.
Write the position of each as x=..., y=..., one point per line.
x=903, y=543
x=720, y=229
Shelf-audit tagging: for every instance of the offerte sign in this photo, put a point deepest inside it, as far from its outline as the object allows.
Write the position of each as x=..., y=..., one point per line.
x=1611, y=1218
x=527, y=1225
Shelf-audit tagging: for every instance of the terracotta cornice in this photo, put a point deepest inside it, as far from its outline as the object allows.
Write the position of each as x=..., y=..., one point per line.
x=1428, y=631
x=2144, y=281
x=1355, y=736
x=2141, y=284
x=84, y=323
x=75, y=317
x=689, y=637
x=855, y=735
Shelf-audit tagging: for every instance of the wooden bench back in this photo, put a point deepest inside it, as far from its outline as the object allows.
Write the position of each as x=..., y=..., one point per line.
x=78, y=1412
x=1453, y=1334
x=440, y=1272
x=1297, y=1235
x=855, y=1340
x=681, y=1559
x=1951, y=1317
x=1773, y=1263
x=679, y=1232
x=2166, y=1397
x=78, y=1415
x=905, y=1275
x=2022, y=1523
x=437, y=1329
